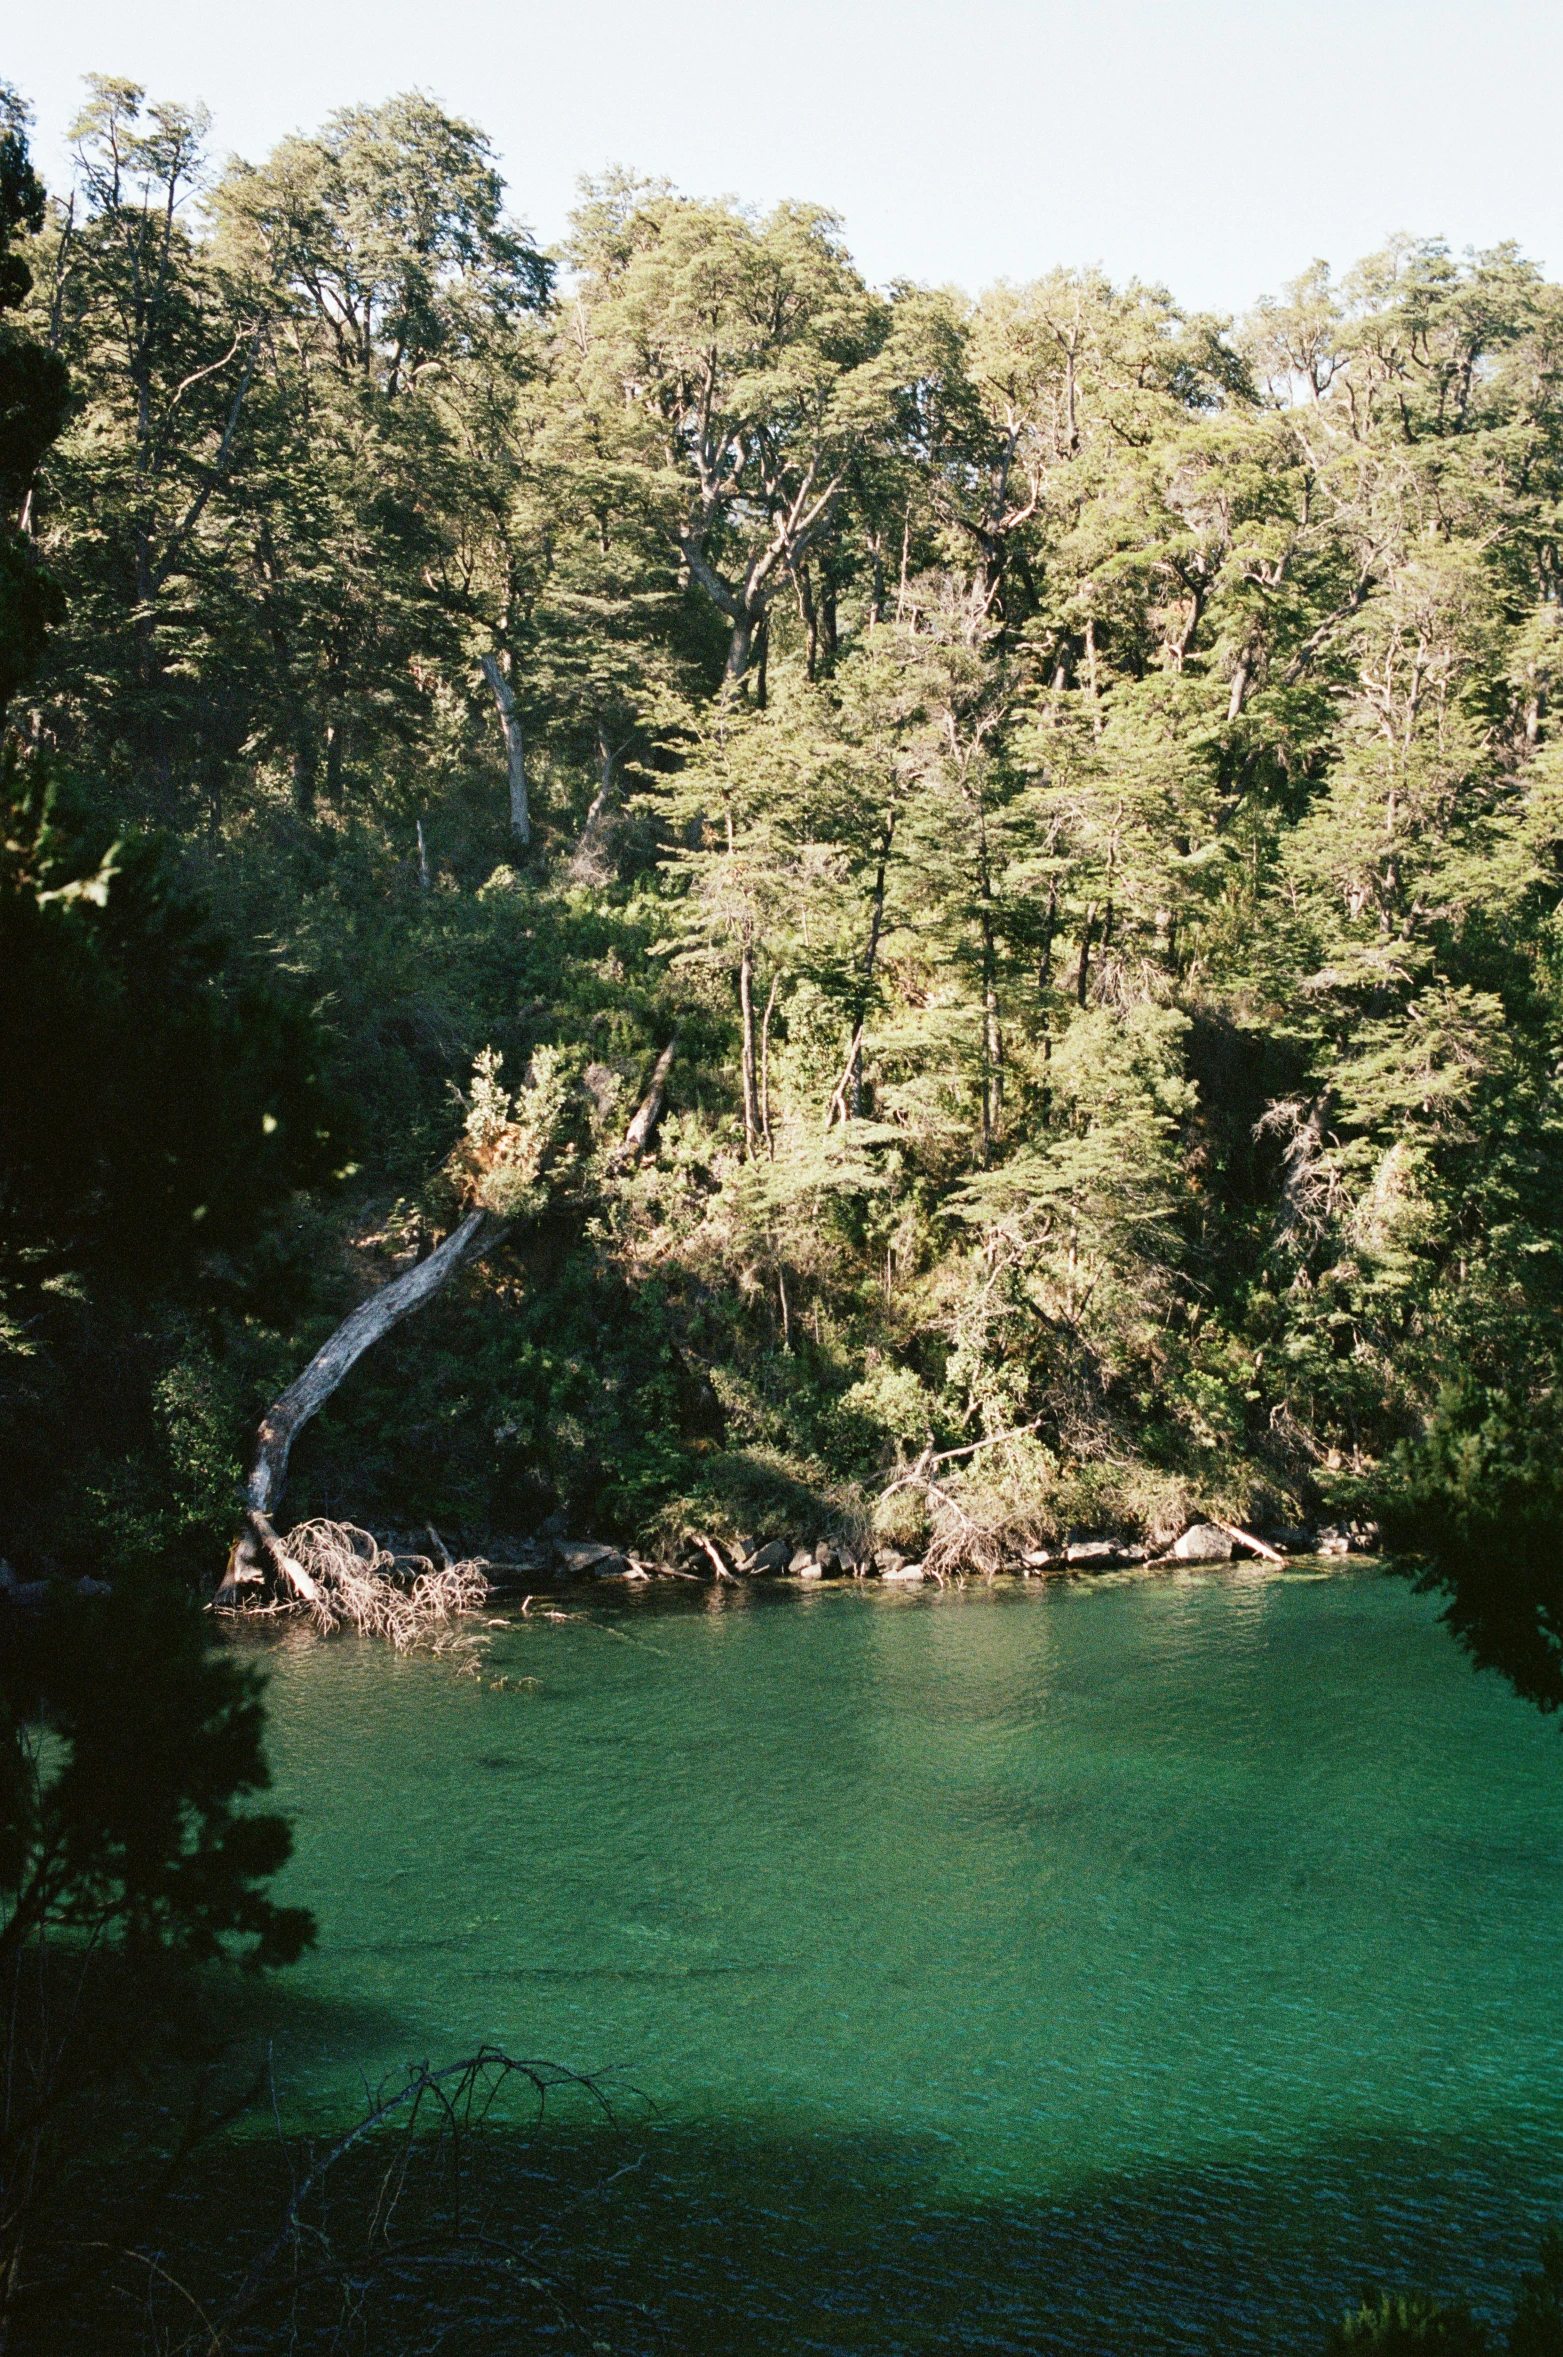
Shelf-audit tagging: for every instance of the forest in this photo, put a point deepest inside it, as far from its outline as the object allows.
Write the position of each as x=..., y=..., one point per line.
x=1070, y=780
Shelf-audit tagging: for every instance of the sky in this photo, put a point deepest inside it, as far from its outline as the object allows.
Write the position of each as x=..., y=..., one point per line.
x=1217, y=146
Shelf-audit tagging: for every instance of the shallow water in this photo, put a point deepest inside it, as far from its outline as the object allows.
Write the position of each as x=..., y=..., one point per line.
x=1120, y=1966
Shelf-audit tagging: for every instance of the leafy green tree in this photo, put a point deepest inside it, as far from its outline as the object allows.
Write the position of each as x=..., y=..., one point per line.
x=740, y=368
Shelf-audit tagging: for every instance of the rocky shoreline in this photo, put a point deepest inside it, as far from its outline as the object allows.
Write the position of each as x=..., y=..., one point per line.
x=555, y=1560
x=552, y=1560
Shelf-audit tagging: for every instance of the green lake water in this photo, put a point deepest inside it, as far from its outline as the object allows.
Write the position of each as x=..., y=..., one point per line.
x=1138, y=1965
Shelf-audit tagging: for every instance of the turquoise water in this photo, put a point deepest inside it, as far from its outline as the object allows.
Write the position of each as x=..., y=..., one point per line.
x=1140, y=1965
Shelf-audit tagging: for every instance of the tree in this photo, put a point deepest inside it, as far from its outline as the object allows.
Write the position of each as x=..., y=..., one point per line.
x=740, y=368
x=399, y=289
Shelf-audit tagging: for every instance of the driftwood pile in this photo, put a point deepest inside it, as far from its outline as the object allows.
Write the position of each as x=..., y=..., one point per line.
x=341, y=1577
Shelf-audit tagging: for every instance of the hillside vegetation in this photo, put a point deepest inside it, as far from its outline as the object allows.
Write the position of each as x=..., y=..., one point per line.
x=1074, y=779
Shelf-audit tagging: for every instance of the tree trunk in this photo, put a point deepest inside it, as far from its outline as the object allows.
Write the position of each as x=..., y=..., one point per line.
x=306, y=764
x=589, y=861
x=876, y=586
x=876, y=921
x=739, y=646
x=259, y=1550
x=1049, y=931
x=746, y=1011
x=515, y=750
x=829, y=636
x=1083, y=972
x=1090, y=665
x=645, y=1121
x=765, y=1068
x=810, y=620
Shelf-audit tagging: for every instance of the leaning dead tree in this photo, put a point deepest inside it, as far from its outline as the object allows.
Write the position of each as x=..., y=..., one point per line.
x=501, y=1168
x=259, y=1551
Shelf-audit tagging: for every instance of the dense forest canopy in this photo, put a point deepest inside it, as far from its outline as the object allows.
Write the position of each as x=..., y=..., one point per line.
x=1076, y=779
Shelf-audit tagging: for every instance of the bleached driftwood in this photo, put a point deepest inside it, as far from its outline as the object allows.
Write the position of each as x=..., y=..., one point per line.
x=259, y=1551
x=636, y=1137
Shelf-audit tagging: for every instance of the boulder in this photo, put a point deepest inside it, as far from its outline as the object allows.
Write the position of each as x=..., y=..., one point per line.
x=1035, y=1557
x=771, y=1557
x=1100, y=1552
x=586, y=1557
x=802, y=1560
x=1332, y=1540
x=618, y=1567
x=904, y=1571
x=1202, y=1542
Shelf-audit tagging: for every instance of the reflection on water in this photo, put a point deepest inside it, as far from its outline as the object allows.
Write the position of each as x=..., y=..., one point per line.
x=1172, y=1952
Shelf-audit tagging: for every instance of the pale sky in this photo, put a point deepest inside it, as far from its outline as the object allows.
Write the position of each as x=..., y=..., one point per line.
x=1216, y=145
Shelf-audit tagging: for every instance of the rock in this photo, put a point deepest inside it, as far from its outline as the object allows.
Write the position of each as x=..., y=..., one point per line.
x=1035, y=1557
x=1100, y=1552
x=1290, y=1541
x=771, y=1557
x=904, y=1571
x=1332, y=1540
x=888, y=1559
x=581, y=1557
x=1202, y=1542
x=803, y=1560
x=809, y=1571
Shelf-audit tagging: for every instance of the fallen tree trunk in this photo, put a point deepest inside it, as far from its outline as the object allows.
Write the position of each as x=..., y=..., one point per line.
x=637, y=1135
x=1246, y=1538
x=260, y=1551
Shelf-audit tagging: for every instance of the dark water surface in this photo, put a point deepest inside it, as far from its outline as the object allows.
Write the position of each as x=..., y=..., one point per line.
x=1137, y=1966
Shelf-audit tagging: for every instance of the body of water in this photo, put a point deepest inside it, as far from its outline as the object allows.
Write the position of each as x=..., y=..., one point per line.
x=1133, y=1965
